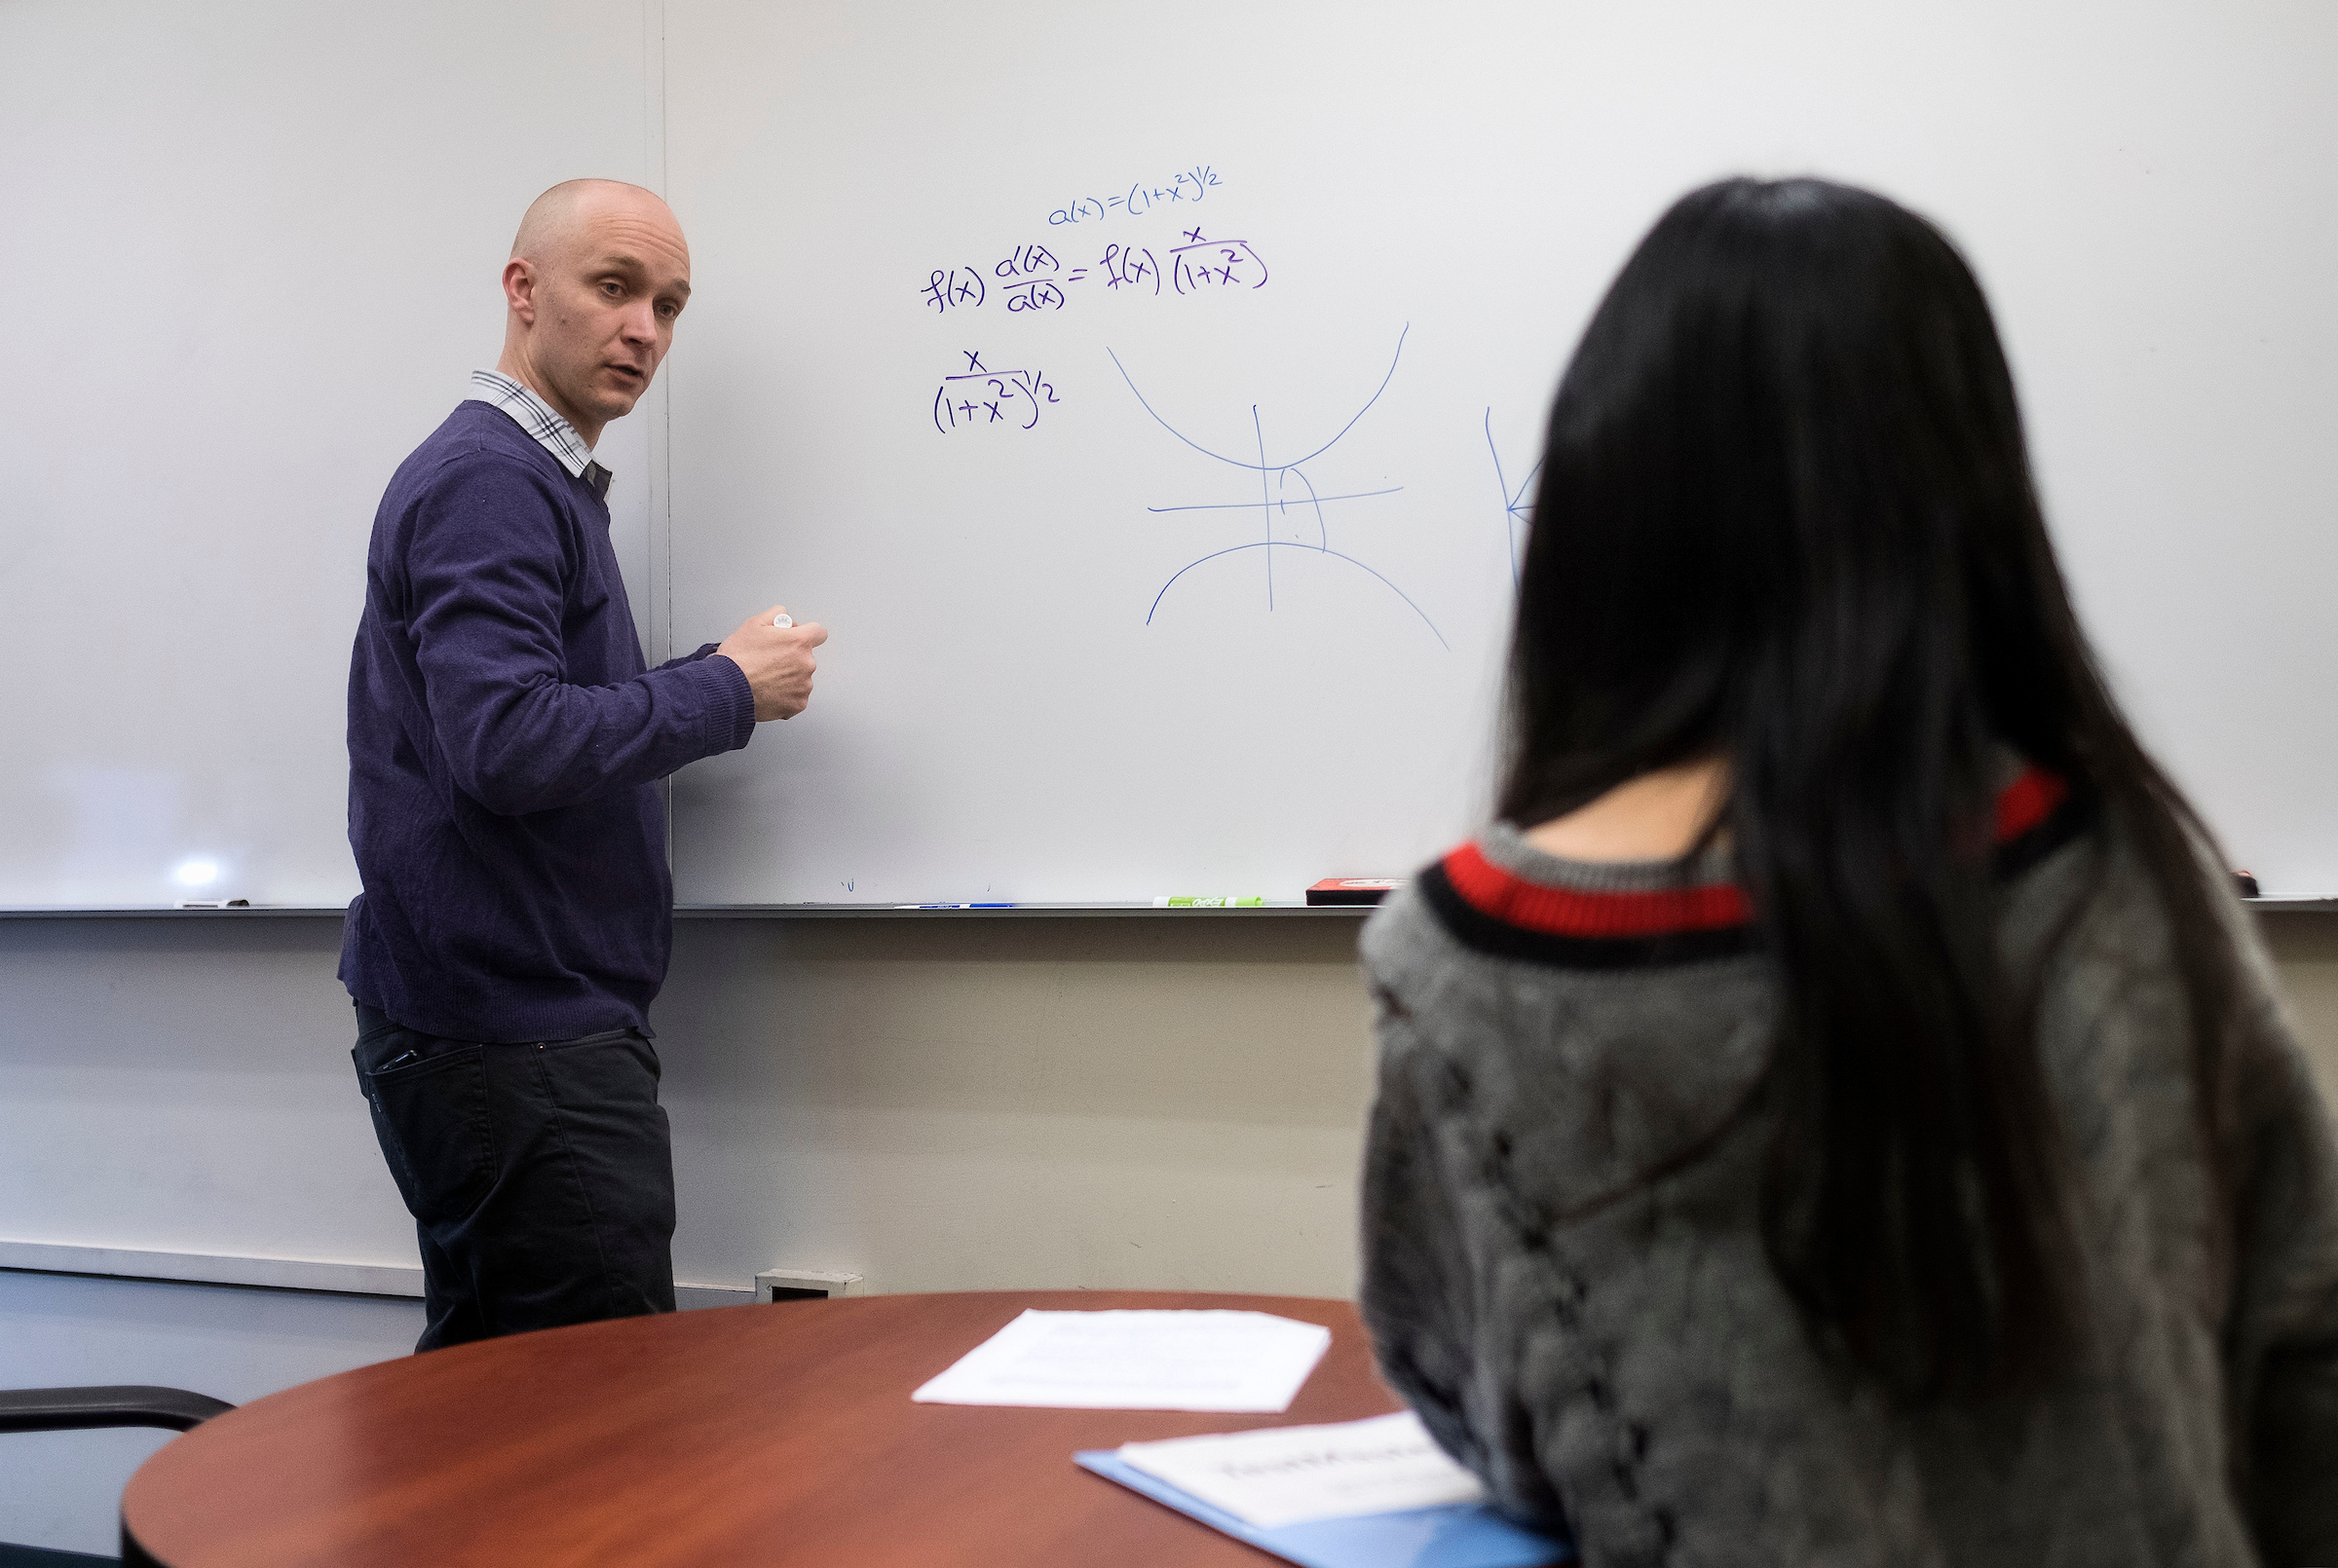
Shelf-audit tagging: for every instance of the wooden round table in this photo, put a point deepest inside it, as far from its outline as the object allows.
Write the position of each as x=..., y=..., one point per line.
x=741, y=1436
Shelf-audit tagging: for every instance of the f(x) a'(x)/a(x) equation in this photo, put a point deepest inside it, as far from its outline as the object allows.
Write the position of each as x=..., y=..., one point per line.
x=1276, y=498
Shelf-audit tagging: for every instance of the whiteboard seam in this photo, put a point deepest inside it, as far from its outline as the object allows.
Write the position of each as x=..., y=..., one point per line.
x=662, y=511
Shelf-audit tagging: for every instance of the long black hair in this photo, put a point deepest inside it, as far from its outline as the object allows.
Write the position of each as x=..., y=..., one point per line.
x=1786, y=519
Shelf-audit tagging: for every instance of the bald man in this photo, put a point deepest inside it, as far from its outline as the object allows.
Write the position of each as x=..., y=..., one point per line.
x=504, y=742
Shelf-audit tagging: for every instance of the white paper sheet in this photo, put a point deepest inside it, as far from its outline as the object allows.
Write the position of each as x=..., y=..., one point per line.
x=1296, y=1474
x=1137, y=1361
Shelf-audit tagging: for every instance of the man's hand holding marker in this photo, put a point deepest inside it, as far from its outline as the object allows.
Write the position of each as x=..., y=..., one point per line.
x=774, y=654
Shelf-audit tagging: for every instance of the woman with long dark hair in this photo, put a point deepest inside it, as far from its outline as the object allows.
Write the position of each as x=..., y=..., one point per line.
x=1840, y=1113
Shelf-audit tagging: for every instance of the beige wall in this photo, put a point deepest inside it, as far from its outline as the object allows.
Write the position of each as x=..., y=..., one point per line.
x=952, y=1104
x=938, y=1104
x=2306, y=947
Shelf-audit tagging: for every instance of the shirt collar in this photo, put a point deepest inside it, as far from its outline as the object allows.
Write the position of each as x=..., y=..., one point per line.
x=537, y=418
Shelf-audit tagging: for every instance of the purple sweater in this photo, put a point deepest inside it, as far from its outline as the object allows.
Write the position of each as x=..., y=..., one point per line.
x=504, y=735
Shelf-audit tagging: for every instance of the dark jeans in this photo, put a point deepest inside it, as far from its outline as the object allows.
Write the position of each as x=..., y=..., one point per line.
x=540, y=1177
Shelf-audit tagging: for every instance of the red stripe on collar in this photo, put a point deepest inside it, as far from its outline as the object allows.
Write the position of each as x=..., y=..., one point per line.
x=2027, y=801
x=1530, y=906
x=1567, y=913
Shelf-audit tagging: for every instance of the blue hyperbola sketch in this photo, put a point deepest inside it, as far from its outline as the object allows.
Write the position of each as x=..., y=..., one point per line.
x=1514, y=507
x=1274, y=499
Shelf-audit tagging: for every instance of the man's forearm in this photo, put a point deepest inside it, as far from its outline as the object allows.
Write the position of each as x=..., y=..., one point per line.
x=550, y=744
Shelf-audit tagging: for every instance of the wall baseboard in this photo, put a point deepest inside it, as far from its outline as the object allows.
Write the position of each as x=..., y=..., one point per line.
x=275, y=1273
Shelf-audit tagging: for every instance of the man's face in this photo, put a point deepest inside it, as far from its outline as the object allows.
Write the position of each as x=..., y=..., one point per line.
x=604, y=294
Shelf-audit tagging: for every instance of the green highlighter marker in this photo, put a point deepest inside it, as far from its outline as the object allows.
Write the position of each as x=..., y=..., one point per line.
x=1209, y=903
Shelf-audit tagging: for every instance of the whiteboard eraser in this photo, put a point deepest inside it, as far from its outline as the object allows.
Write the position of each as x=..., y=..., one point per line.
x=1353, y=889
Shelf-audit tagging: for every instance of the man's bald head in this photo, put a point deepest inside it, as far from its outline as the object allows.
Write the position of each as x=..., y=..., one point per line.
x=562, y=214
x=598, y=273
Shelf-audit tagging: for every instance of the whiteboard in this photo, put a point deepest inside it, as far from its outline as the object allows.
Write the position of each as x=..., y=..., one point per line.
x=254, y=248
x=1101, y=628
x=1108, y=651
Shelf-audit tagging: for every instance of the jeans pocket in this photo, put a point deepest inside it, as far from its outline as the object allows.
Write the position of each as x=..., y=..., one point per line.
x=623, y=1053
x=436, y=1134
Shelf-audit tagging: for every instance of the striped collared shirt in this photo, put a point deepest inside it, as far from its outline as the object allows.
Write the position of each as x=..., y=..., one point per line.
x=551, y=431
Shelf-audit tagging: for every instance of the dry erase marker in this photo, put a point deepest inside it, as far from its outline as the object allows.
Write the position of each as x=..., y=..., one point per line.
x=1209, y=903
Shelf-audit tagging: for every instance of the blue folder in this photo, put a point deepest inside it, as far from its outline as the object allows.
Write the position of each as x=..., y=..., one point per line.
x=1450, y=1535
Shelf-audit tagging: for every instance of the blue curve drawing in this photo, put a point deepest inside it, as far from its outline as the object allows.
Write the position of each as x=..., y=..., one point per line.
x=1261, y=463
x=1513, y=500
x=1272, y=503
x=1252, y=505
x=1270, y=545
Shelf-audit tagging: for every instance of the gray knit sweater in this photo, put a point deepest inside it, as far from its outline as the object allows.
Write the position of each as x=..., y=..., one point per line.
x=1564, y=1274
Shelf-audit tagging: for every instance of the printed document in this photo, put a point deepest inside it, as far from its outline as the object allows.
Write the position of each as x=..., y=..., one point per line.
x=1137, y=1361
x=1281, y=1475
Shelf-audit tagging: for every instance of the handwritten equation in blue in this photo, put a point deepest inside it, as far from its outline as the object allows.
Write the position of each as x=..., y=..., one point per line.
x=1141, y=197
x=978, y=398
x=1034, y=277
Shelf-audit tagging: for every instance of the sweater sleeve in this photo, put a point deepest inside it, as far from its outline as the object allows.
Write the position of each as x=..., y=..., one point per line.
x=2282, y=1333
x=1422, y=1284
x=485, y=562
x=692, y=658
